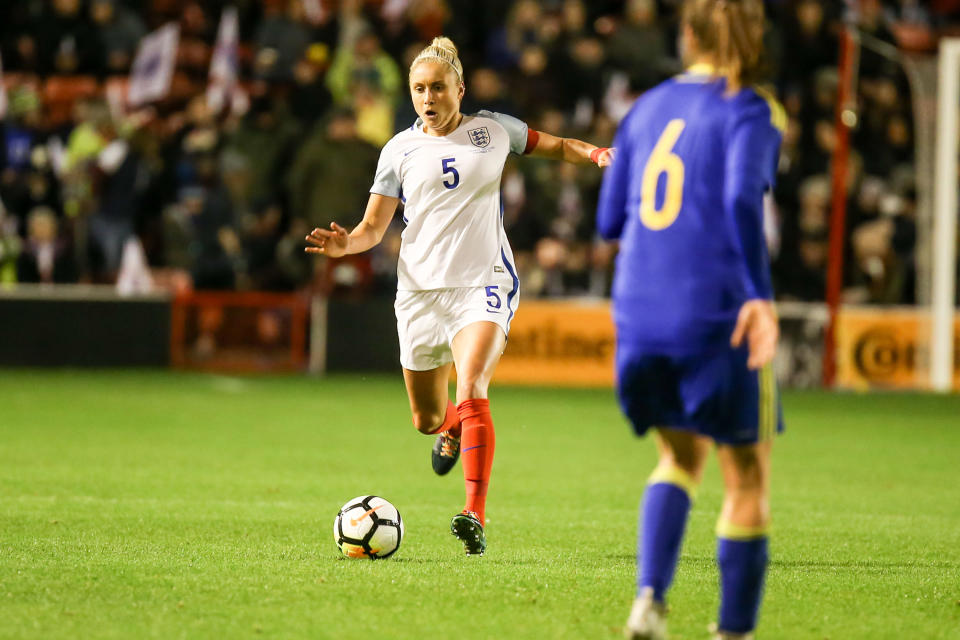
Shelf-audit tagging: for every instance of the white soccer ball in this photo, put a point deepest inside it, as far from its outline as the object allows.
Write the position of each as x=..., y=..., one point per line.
x=368, y=527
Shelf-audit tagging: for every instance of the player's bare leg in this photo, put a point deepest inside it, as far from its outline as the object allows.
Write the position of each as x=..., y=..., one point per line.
x=476, y=352
x=434, y=413
x=428, y=395
x=742, y=535
x=664, y=512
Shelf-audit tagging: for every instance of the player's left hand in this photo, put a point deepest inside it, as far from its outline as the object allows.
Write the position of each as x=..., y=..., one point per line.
x=757, y=322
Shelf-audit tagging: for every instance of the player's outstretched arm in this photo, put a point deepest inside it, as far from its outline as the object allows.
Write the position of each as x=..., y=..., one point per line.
x=757, y=323
x=570, y=150
x=336, y=242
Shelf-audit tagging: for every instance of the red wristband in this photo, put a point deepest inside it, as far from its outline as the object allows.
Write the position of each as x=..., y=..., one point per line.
x=533, y=136
x=596, y=153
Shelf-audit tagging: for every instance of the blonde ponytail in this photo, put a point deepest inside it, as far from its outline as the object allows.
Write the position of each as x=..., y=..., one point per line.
x=732, y=32
x=443, y=50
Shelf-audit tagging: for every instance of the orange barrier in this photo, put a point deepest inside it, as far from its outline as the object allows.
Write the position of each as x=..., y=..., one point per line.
x=887, y=348
x=566, y=343
x=239, y=332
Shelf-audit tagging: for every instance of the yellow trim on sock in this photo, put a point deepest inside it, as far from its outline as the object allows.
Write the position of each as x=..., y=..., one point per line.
x=730, y=531
x=670, y=474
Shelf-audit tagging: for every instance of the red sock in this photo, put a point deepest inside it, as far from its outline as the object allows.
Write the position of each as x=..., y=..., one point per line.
x=476, y=452
x=451, y=422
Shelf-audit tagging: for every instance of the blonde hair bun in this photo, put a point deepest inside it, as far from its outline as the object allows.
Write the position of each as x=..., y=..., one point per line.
x=443, y=50
x=445, y=43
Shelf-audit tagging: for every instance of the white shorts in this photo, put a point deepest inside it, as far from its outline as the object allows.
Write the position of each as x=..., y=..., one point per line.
x=427, y=321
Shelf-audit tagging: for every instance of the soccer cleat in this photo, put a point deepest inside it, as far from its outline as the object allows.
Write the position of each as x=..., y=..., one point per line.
x=723, y=635
x=468, y=528
x=648, y=618
x=446, y=451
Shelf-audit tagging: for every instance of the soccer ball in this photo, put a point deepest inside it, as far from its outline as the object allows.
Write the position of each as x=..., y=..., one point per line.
x=368, y=527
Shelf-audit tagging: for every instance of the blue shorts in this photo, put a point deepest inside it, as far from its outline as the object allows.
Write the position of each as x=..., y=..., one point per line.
x=712, y=393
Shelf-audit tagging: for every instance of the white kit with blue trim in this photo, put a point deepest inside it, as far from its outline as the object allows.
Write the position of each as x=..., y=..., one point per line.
x=450, y=186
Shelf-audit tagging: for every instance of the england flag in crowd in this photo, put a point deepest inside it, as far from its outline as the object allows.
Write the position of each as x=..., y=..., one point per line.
x=153, y=66
x=223, y=64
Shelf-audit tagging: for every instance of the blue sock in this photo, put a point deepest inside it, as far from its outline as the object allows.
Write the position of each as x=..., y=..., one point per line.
x=663, y=516
x=743, y=565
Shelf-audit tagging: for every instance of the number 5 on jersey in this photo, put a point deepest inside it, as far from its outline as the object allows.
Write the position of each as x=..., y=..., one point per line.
x=663, y=161
x=449, y=168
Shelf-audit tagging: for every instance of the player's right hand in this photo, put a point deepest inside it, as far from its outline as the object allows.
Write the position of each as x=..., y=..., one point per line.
x=757, y=322
x=332, y=243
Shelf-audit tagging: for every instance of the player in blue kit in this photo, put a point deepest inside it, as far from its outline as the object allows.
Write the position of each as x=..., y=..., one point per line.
x=692, y=303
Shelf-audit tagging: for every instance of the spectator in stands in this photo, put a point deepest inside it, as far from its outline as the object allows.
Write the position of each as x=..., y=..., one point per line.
x=267, y=139
x=68, y=42
x=363, y=62
x=260, y=240
x=533, y=86
x=206, y=219
x=19, y=43
x=330, y=177
x=120, y=30
x=486, y=90
x=26, y=177
x=280, y=40
x=428, y=18
x=45, y=256
x=800, y=270
x=506, y=44
x=810, y=42
x=578, y=67
x=882, y=242
x=116, y=178
x=639, y=45
x=309, y=98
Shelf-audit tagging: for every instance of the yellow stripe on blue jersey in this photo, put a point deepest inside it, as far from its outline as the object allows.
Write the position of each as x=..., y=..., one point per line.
x=778, y=115
x=672, y=474
x=730, y=531
x=703, y=72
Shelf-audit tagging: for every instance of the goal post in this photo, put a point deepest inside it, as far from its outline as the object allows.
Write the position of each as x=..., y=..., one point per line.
x=944, y=245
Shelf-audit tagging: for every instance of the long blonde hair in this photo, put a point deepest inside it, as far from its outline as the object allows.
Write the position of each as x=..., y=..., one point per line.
x=443, y=50
x=732, y=32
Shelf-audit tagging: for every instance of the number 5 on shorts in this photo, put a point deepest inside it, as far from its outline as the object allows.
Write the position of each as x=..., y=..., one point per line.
x=493, y=299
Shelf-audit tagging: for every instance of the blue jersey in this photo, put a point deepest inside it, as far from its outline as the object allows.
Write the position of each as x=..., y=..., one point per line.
x=685, y=198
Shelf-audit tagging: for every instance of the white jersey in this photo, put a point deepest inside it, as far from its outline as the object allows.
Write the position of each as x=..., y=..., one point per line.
x=450, y=187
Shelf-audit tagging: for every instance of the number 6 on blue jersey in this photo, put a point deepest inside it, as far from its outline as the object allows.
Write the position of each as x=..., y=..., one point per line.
x=449, y=168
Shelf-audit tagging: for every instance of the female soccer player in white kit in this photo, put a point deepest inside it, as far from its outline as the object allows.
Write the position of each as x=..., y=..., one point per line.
x=457, y=285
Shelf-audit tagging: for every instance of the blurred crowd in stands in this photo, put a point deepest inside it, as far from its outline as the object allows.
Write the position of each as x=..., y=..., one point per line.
x=182, y=195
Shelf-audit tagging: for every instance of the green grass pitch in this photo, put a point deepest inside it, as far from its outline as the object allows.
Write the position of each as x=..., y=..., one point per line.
x=164, y=505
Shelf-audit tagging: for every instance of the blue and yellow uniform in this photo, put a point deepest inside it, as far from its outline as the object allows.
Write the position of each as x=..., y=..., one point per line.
x=685, y=199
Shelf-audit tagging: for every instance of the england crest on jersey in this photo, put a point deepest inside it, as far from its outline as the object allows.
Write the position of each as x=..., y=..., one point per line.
x=480, y=137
